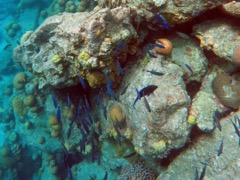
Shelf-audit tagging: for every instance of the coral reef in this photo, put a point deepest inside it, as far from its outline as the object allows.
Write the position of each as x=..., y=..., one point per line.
x=227, y=90
x=80, y=40
x=18, y=106
x=19, y=81
x=136, y=171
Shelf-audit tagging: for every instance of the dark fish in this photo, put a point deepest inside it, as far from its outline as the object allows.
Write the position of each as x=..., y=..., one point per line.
x=68, y=101
x=70, y=128
x=111, y=93
x=83, y=140
x=161, y=21
x=130, y=155
x=83, y=83
x=54, y=101
x=120, y=70
x=124, y=89
x=235, y=128
x=70, y=177
x=215, y=118
x=119, y=47
x=203, y=172
x=106, y=176
x=5, y=47
x=196, y=173
x=220, y=150
x=87, y=103
x=79, y=108
x=109, y=82
x=92, y=146
x=119, y=136
x=84, y=125
x=89, y=117
x=155, y=73
x=189, y=68
x=237, y=120
x=150, y=46
x=59, y=114
x=146, y=104
x=145, y=92
x=18, y=42
x=100, y=102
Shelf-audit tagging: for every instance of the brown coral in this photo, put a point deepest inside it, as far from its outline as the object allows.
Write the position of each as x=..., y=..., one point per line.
x=226, y=89
x=20, y=80
x=236, y=55
x=117, y=114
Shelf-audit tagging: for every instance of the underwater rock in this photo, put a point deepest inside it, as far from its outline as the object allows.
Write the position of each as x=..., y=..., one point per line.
x=204, y=149
x=155, y=134
x=176, y=11
x=191, y=55
x=232, y=8
x=204, y=105
x=219, y=36
x=66, y=45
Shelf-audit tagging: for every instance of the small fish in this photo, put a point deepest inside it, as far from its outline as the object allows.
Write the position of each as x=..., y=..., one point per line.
x=83, y=83
x=111, y=93
x=88, y=106
x=119, y=47
x=5, y=47
x=83, y=140
x=54, y=101
x=125, y=89
x=215, y=118
x=220, y=150
x=189, y=68
x=84, y=125
x=203, y=172
x=120, y=70
x=237, y=120
x=144, y=92
x=130, y=155
x=89, y=117
x=18, y=42
x=196, y=173
x=155, y=73
x=150, y=46
x=161, y=21
x=109, y=82
x=68, y=101
x=106, y=176
x=146, y=104
x=59, y=114
x=70, y=128
x=182, y=35
x=235, y=128
x=119, y=136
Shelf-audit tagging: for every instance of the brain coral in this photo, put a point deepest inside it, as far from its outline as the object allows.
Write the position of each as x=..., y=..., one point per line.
x=18, y=106
x=20, y=80
x=226, y=88
x=136, y=171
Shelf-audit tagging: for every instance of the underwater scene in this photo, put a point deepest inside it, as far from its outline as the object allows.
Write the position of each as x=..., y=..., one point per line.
x=119, y=90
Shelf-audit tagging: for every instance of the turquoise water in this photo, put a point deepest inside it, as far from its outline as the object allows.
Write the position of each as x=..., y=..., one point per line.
x=75, y=116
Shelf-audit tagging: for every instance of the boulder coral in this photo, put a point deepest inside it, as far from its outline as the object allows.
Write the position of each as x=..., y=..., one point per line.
x=18, y=106
x=19, y=81
x=29, y=101
x=226, y=88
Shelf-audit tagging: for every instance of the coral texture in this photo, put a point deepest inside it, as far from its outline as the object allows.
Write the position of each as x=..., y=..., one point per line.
x=136, y=172
x=226, y=89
